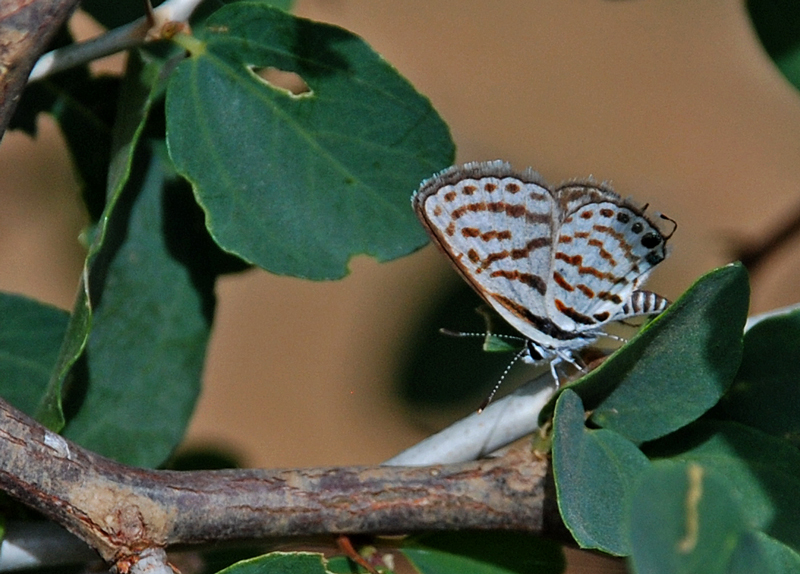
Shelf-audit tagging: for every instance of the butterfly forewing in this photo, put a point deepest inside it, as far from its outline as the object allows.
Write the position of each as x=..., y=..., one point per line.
x=496, y=228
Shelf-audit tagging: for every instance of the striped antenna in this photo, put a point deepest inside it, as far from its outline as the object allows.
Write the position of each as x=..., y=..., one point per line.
x=488, y=399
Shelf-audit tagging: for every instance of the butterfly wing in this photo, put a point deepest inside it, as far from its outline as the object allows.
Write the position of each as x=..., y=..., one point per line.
x=496, y=226
x=604, y=249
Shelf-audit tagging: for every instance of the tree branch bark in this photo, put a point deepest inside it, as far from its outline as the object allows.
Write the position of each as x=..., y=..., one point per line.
x=121, y=511
x=26, y=27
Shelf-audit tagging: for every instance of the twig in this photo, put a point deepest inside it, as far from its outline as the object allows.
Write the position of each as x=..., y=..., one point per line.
x=477, y=435
x=145, y=29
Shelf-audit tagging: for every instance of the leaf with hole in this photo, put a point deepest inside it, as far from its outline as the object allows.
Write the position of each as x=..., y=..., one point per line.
x=299, y=184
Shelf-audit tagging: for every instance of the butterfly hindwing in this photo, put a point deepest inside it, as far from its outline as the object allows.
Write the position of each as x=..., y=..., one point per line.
x=603, y=250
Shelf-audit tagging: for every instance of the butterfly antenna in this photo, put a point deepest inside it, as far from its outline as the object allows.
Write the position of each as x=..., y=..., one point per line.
x=673, y=222
x=488, y=399
x=617, y=337
x=450, y=333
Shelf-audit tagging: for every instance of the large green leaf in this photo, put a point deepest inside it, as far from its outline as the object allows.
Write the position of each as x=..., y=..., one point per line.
x=484, y=553
x=678, y=366
x=766, y=392
x=684, y=519
x=30, y=336
x=688, y=517
x=298, y=184
x=594, y=471
x=150, y=326
x=139, y=92
x=130, y=366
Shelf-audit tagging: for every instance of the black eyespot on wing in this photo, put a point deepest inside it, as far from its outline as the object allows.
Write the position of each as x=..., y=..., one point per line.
x=654, y=257
x=637, y=227
x=623, y=217
x=651, y=240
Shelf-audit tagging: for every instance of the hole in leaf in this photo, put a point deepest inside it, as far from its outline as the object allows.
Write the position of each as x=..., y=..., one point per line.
x=283, y=80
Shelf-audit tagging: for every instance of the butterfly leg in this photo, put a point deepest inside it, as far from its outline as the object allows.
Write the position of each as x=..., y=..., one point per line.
x=554, y=372
x=564, y=357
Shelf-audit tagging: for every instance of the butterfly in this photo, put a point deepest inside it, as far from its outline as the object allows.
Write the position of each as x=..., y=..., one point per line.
x=558, y=264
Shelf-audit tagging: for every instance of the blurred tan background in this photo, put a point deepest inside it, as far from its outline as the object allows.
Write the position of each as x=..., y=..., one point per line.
x=674, y=102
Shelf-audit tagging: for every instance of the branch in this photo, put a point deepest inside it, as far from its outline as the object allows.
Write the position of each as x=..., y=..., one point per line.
x=159, y=24
x=121, y=511
x=480, y=434
x=26, y=27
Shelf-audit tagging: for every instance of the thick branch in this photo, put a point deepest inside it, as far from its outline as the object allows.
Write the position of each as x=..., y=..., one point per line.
x=120, y=510
x=26, y=27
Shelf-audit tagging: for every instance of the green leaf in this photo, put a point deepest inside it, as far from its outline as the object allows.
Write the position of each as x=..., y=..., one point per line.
x=678, y=366
x=150, y=327
x=139, y=92
x=766, y=391
x=298, y=184
x=483, y=553
x=30, y=336
x=777, y=23
x=281, y=563
x=757, y=552
x=205, y=9
x=594, y=471
x=684, y=519
x=763, y=471
x=495, y=344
